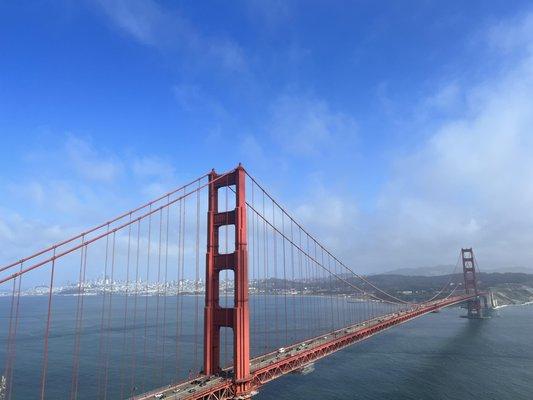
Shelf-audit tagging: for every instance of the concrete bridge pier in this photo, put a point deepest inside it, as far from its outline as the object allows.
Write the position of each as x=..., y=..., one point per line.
x=479, y=307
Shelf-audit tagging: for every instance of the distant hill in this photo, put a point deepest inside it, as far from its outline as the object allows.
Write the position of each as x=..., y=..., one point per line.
x=522, y=270
x=509, y=287
x=435, y=270
x=411, y=282
x=438, y=270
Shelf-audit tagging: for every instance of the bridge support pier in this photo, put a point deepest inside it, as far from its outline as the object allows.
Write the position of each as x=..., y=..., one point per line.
x=477, y=307
x=238, y=317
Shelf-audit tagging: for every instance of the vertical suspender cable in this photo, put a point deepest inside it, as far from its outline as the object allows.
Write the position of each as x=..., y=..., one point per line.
x=109, y=315
x=301, y=280
x=162, y=370
x=12, y=335
x=76, y=351
x=47, y=330
x=275, y=265
x=196, y=279
x=261, y=301
x=265, y=281
x=157, y=294
x=330, y=292
x=254, y=276
x=293, y=282
x=267, y=261
x=135, y=298
x=308, y=284
x=178, y=292
x=123, y=355
x=81, y=319
x=316, y=282
x=147, y=283
x=14, y=341
x=341, y=301
x=182, y=263
x=285, y=280
x=102, y=319
x=7, y=367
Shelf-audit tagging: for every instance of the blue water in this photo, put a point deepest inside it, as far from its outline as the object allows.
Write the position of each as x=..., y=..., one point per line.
x=121, y=357
x=438, y=356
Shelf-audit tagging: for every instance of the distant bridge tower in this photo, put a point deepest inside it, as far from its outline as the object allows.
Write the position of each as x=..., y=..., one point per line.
x=475, y=310
x=237, y=317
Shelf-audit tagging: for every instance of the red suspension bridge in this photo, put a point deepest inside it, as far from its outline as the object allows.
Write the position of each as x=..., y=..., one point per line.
x=132, y=309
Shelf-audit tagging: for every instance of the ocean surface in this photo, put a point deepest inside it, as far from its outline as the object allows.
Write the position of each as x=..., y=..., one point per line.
x=438, y=356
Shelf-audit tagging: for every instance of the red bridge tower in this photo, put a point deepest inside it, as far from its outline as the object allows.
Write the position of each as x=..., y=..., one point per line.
x=469, y=272
x=216, y=316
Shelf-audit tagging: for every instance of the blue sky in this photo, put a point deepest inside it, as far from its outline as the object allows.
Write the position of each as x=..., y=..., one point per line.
x=405, y=126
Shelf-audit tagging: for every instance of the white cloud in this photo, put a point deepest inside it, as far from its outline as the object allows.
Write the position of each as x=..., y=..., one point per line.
x=89, y=163
x=471, y=182
x=515, y=35
x=151, y=24
x=303, y=125
x=77, y=186
x=468, y=183
x=189, y=96
x=20, y=235
x=149, y=167
x=194, y=98
x=252, y=150
x=273, y=13
x=141, y=19
x=333, y=218
x=226, y=52
x=447, y=98
x=33, y=191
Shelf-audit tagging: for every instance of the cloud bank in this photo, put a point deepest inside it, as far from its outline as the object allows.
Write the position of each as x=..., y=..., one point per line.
x=468, y=183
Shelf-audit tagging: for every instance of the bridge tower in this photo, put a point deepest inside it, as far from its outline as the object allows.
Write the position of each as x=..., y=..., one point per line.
x=469, y=272
x=237, y=317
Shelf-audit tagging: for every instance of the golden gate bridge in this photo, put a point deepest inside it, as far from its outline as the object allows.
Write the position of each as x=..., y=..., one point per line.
x=170, y=321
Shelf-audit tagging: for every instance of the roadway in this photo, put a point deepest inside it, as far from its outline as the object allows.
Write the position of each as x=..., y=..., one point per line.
x=294, y=357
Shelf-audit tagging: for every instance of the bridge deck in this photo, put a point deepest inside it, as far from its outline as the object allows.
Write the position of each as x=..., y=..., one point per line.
x=272, y=365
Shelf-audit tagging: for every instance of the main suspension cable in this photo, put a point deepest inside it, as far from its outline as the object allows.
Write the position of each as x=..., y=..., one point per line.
x=315, y=260
x=105, y=234
x=362, y=278
x=103, y=225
